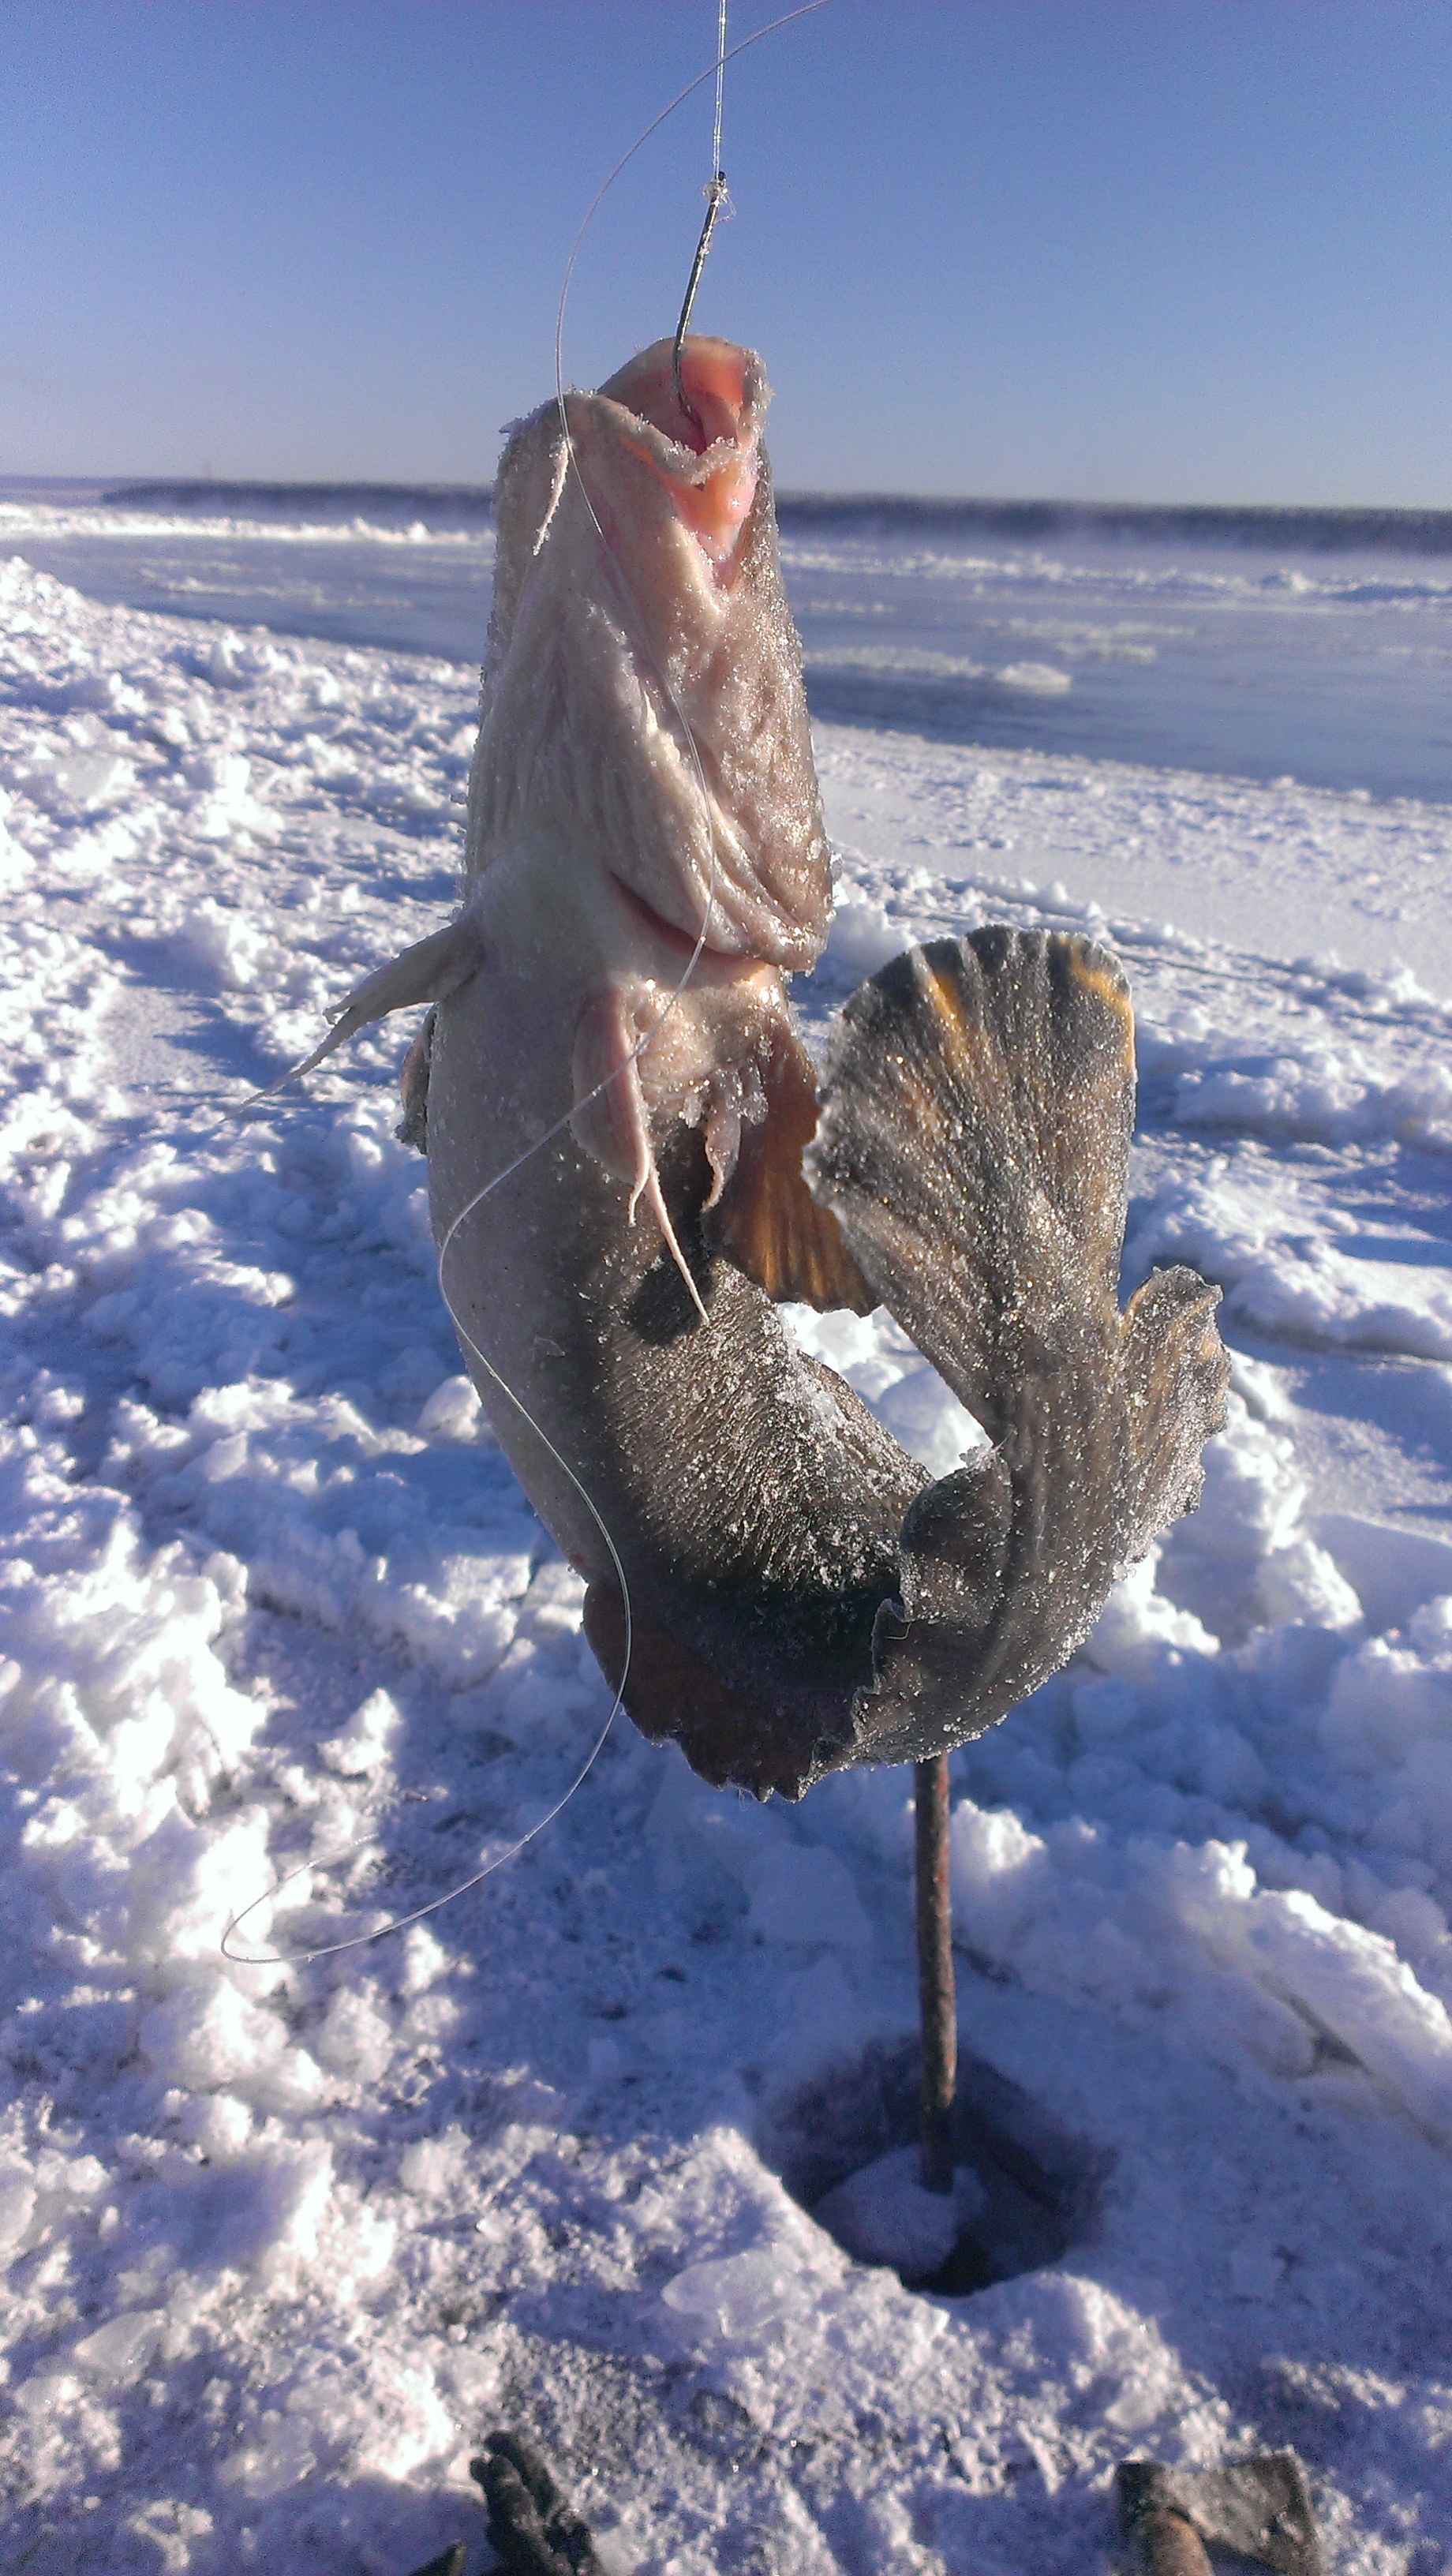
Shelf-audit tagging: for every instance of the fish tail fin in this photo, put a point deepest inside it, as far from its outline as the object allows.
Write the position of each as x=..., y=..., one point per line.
x=974, y=1147
x=973, y=1144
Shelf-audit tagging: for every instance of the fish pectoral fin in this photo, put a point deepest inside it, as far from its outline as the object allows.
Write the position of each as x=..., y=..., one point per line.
x=428, y=972
x=610, y=1120
x=413, y=1088
x=766, y=1218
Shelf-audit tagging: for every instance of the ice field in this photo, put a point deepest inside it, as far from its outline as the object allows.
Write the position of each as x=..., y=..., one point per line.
x=285, y=2242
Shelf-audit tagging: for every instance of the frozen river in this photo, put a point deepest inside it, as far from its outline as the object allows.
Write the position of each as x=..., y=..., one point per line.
x=1328, y=663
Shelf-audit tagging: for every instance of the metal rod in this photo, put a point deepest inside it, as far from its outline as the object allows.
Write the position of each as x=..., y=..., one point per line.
x=935, y=1972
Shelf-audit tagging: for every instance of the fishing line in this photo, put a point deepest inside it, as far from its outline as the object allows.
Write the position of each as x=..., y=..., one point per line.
x=789, y=16
x=720, y=89
x=569, y=464
x=717, y=201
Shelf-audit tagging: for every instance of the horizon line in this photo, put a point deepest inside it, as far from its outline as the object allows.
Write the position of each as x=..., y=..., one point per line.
x=1422, y=529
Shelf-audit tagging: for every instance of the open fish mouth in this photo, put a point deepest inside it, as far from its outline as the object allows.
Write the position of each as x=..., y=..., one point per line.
x=715, y=962
x=708, y=455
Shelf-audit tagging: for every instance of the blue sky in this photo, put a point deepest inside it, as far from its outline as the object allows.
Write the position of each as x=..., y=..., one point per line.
x=1157, y=250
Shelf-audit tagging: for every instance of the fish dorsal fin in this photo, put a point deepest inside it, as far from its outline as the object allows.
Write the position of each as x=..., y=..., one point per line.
x=768, y=1221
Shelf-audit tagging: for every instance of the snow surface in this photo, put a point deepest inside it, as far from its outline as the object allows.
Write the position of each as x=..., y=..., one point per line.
x=284, y=2242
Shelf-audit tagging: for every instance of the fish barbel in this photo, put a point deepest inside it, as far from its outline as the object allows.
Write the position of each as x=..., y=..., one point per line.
x=633, y=1163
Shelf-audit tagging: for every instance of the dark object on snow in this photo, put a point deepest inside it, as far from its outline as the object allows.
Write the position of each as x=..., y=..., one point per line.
x=935, y=1972
x=1260, y=2508
x=535, y=2531
x=1164, y=2543
x=450, y=2562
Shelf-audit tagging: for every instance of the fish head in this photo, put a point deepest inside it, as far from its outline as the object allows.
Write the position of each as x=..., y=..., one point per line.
x=644, y=682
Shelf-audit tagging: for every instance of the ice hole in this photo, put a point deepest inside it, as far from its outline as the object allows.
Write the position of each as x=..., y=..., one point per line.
x=1025, y=2191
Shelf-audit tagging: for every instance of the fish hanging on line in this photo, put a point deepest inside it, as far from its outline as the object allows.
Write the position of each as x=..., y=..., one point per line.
x=633, y=1162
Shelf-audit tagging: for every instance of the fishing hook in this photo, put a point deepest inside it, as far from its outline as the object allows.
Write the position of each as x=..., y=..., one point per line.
x=716, y=198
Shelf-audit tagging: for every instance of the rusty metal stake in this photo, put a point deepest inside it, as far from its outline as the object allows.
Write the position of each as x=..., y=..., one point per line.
x=935, y=1972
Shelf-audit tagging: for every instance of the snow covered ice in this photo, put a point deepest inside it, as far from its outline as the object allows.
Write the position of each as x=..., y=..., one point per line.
x=284, y=2242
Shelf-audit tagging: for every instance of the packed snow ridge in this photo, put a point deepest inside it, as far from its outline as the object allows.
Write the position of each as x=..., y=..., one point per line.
x=284, y=2241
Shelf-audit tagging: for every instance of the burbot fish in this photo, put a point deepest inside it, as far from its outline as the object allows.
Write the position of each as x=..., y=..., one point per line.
x=644, y=1162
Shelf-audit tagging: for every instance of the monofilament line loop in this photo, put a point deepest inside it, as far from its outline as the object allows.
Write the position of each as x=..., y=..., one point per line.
x=401, y=1922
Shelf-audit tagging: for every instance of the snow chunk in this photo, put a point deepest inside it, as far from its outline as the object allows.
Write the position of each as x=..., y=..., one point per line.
x=213, y=2039
x=118, y=2352
x=363, y=1744
x=861, y=938
x=741, y=2297
x=1037, y=679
